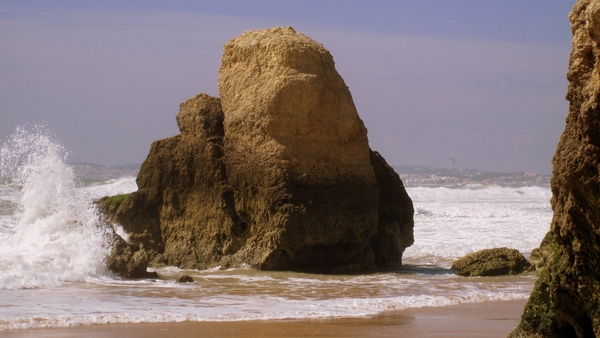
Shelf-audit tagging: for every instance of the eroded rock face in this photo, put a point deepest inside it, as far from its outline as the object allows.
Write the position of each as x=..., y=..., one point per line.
x=566, y=299
x=297, y=152
x=492, y=262
x=181, y=215
x=276, y=174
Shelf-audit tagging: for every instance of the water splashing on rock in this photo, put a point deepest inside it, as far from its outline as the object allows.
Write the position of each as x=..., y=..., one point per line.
x=55, y=234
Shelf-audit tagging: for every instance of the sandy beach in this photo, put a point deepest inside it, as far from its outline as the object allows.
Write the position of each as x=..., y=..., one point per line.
x=488, y=319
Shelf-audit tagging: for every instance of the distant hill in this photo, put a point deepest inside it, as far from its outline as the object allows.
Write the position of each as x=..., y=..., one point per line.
x=95, y=171
x=413, y=175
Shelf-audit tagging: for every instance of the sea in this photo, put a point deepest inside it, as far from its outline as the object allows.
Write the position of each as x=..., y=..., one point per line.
x=53, y=245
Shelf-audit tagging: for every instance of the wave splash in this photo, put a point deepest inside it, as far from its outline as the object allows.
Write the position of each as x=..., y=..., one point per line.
x=55, y=235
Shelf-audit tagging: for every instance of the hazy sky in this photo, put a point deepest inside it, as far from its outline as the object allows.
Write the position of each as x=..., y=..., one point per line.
x=482, y=82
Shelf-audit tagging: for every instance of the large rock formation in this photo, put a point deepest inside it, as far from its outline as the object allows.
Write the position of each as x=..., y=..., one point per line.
x=565, y=301
x=276, y=174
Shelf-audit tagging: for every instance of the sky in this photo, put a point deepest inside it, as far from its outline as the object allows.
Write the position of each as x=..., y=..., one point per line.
x=480, y=82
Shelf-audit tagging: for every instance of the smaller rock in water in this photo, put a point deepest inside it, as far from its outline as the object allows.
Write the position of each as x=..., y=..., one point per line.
x=185, y=279
x=129, y=261
x=492, y=262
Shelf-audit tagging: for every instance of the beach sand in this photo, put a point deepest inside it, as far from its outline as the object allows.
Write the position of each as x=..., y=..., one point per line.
x=488, y=319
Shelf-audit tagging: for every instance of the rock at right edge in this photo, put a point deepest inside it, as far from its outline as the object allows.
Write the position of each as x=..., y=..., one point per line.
x=565, y=301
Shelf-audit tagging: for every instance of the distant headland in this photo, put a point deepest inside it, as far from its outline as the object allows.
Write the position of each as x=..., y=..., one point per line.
x=413, y=175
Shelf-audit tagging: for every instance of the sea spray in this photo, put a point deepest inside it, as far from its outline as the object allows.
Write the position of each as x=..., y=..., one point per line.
x=55, y=234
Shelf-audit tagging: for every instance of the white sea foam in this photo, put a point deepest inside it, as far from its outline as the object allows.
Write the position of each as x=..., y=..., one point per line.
x=273, y=308
x=450, y=223
x=55, y=235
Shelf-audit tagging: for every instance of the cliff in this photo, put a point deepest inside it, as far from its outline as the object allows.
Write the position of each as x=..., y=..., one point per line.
x=276, y=174
x=565, y=301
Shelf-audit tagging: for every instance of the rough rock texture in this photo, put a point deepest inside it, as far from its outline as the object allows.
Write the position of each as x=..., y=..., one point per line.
x=539, y=256
x=565, y=301
x=492, y=262
x=128, y=260
x=182, y=213
x=277, y=174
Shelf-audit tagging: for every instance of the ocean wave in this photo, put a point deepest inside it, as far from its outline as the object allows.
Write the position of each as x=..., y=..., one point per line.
x=119, y=186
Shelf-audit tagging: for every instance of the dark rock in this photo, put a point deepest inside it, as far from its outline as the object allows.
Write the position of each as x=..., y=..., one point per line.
x=126, y=260
x=185, y=279
x=492, y=262
x=395, y=214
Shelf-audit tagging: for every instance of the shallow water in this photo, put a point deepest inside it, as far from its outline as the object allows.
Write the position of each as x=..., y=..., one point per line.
x=52, y=247
x=247, y=295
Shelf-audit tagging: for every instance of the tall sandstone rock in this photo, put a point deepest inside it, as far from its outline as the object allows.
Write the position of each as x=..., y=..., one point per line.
x=276, y=174
x=565, y=301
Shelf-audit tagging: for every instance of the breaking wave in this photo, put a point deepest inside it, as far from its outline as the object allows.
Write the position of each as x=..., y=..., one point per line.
x=54, y=234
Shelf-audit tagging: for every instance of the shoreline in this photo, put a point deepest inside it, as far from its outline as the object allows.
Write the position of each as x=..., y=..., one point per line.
x=486, y=319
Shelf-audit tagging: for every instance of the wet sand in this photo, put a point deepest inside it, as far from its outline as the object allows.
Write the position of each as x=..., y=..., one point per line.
x=488, y=319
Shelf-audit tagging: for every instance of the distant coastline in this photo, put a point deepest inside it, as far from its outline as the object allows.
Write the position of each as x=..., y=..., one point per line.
x=96, y=171
x=411, y=175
